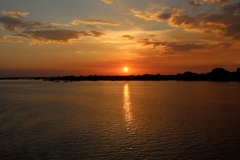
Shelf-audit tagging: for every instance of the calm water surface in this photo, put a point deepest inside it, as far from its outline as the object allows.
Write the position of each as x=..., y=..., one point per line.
x=119, y=120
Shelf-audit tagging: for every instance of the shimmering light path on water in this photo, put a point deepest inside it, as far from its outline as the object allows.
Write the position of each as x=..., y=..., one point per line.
x=128, y=109
x=119, y=120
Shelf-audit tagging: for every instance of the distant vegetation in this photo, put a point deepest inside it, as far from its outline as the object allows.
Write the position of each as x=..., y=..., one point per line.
x=217, y=74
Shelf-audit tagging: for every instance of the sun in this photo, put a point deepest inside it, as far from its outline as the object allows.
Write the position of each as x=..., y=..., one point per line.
x=125, y=69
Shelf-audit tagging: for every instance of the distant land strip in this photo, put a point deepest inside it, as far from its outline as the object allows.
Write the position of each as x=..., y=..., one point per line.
x=217, y=74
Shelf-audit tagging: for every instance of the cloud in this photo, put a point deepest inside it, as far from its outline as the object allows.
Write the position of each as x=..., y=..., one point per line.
x=152, y=35
x=15, y=14
x=144, y=15
x=216, y=1
x=164, y=16
x=9, y=39
x=148, y=42
x=42, y=31
x=129, y=22
x=172, y=47
x=99, y=22
x=11, y=23
x=194, y=3
x=22, y=35
x=92, y=26
x=128, y=37
x=3, y=38
x=61, y=36
x=157, y=13
x=107, y=1
x=225, y=22
x=96, y=34
x=221, y=45
x=175, y=37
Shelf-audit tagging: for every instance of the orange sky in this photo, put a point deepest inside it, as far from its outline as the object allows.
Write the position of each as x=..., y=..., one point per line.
x=55, y=38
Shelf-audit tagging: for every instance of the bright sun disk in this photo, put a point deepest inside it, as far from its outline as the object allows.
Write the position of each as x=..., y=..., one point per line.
x=125, y=69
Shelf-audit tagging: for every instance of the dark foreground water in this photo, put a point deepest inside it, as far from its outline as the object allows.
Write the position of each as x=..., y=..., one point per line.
x=119, y=120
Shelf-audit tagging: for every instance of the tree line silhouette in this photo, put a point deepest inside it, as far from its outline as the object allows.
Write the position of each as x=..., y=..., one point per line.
x=217, y=74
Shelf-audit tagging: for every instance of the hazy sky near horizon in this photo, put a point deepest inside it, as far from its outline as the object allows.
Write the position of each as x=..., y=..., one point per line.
x=83, y=37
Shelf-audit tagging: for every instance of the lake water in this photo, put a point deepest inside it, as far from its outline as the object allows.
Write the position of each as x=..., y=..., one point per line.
x=119, y=120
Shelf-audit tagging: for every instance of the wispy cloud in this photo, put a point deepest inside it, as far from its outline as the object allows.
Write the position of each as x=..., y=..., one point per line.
x=9, y=39
x=216, y=1
x=13, y=21
x=172, y=47
x=129, y=22
x=60, y=36
x=144, y=14
x=225, y=22
x=95, y=34
x=128, y=37
x=157, y=13
x=107, y=1
x=98, y=22
x=195, y=3
x=15, y=14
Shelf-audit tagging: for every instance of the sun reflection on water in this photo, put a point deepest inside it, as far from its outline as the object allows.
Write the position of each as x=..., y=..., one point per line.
x=127, y=108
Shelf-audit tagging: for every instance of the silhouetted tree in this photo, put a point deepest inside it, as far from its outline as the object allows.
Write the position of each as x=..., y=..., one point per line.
x=219, y=74
x=238, y=70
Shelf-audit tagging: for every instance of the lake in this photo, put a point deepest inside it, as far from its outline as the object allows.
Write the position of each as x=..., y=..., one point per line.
x=119, y=120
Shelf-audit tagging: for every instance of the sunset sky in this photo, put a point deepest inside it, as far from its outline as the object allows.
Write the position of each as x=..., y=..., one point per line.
x=101, y=37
